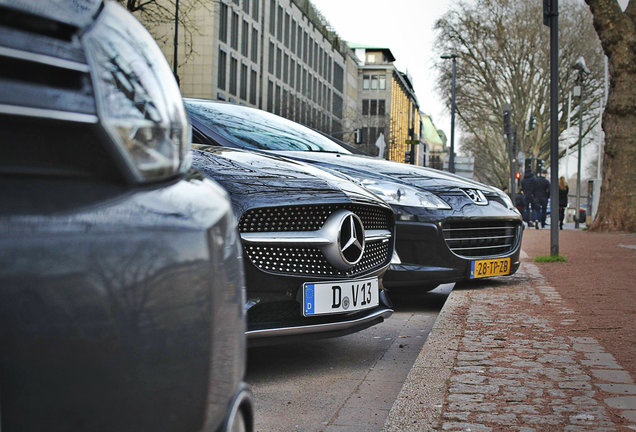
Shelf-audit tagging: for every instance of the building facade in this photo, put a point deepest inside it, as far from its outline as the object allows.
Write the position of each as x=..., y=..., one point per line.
x=276, y=55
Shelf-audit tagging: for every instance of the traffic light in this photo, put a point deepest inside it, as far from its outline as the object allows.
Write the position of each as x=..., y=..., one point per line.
x=540, y=166
x=506, y=119
x=517, y=175
x=532, y=124
x=528, y=165
x=407, y=157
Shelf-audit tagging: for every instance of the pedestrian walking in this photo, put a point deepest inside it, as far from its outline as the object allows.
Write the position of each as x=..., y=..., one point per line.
x=530, y=206
x=541, y=194
x=564, y=189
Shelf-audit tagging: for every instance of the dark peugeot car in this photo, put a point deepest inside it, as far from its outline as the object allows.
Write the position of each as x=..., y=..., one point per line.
x=448, y=228
x=121, y=279
x=315, y=245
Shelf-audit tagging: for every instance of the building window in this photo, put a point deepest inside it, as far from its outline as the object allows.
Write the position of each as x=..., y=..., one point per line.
x=365, y=107
x=285, y=109
x=245, y=38
x=365, y=82
x=338, y=77
x=292, y=36
x=270, y=96
x=337, y=106
x=374, y=82
x=286, y=68
x=279, y=60
x=272, y=17
x=292, y=70
x=298, y=78
x=253, y=84
x=381, y=107
x=305, y=37
x=254, y=45
x=279, y=24
x=246, y=6
x=221, y=71
x=277, y=101
x=223, y=23
x=299, y=42
x=373, y=107
x=234, y=31
x=286, y=35
x=244, y=81
x=233, y=73
x=270, y=60
x=310, y=60
x=255, y=10
x=382, y=83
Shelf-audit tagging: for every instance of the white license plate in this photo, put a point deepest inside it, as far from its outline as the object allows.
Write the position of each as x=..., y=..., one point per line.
x=342, y=296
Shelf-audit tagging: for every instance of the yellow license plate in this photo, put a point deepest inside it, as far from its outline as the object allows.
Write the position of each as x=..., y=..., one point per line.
x=490, y=267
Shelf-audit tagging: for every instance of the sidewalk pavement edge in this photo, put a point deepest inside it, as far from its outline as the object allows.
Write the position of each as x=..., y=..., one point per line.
x=418, y=406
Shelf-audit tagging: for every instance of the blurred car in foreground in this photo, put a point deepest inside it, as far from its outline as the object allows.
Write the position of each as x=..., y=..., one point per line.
x=315, y=245
x=121, y=280
x=448, y=228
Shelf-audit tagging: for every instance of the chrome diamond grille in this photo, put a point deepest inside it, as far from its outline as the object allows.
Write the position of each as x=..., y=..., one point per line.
x=311, y=262
x=309, y=217
x=481, y=239
x=308, y=259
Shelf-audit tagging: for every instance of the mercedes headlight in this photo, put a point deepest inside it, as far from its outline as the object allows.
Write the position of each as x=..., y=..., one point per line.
x=399, y=194
x=138, y=100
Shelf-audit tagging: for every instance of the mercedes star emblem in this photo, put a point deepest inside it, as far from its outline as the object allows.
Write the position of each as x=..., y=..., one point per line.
x=347, y=233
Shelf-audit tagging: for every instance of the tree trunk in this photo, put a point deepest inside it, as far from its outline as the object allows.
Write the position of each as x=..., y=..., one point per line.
x=616, y=29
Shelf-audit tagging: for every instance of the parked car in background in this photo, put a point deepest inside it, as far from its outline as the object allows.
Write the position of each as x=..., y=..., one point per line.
x=448, y=228
x=121, y=280
x=315, y=245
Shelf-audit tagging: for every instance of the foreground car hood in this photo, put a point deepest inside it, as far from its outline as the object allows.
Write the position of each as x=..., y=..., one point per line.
x=367, y=166
x=257, y=180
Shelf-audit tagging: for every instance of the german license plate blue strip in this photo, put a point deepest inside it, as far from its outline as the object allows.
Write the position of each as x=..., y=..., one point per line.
x=309, y=300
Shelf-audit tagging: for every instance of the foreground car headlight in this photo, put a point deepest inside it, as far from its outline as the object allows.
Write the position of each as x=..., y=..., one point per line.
x=138, y=100
x=399, y=194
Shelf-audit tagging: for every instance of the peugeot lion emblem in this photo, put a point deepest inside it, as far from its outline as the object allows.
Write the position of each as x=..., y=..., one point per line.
x=346, y=232
x=476, y=196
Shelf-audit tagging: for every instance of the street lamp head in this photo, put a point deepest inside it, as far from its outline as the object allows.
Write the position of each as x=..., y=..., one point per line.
x=448, y=56
x=580, y=66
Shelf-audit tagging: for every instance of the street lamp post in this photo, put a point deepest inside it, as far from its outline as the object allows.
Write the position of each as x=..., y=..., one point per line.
x=176, y=40
x=451, y=159
x=583, y=70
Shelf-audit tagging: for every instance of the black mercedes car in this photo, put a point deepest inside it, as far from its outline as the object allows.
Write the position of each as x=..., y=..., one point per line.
x=448, y=228
x=121, y=276
x=315, y=245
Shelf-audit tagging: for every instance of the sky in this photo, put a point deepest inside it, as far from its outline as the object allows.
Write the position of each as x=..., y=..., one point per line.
x=406, y=28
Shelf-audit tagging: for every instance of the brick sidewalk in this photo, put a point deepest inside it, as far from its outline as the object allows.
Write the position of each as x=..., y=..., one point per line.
x=505, y=354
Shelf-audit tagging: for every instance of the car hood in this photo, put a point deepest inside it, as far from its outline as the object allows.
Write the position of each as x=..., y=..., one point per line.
x=257, y=180
x=370, y=167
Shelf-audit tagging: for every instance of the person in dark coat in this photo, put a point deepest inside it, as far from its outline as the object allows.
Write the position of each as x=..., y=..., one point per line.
x=564, y=189
x=541, y=194
x=528, y=186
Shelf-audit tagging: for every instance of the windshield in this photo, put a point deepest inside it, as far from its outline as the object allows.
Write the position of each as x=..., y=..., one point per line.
x=250, y=128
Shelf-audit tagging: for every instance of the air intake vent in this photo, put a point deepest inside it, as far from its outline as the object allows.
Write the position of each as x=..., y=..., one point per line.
x=481, y=239
x=15, y=19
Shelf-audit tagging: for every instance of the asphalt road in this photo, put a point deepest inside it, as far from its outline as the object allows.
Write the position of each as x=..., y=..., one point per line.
x=342, y=384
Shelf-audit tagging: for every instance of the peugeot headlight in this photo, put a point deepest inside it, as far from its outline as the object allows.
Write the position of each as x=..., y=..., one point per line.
x=399, y=194
x=138, y=100
x=506, y=199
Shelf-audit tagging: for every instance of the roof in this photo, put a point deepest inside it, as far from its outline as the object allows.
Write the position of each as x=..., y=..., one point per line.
x=386, y=51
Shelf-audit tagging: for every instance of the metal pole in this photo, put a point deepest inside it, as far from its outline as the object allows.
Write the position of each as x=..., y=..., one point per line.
x=451, y=159
x=554, y=127
x=578, y=172
x=176, y=41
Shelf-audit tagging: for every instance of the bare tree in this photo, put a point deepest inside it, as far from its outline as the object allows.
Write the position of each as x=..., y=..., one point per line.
x=617, y=31
x=503, y=57
x=158, y=17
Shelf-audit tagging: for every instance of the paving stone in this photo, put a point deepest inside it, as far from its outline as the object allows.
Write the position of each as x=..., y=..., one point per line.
x=588, y=348
x=539, y=419
x=472, y=427
x=575, y=385
x=625, y=389
x=461, y=416
x=503, y=419
x=616, y=376
x=469, y=378
x=622, y=402
x=629, y=415
x=583, y=340
x=473, y=356
x=599, y=356
x=587, y=419
x=607, y=364
x=471, y=406
x=520, y=409
x=465, y=397
x=556, y=393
